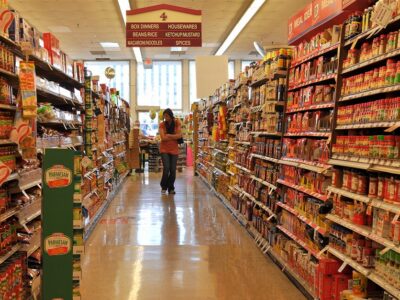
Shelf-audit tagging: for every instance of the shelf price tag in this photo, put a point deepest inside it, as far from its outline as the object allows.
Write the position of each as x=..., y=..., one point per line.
x=344, y=264
x=322, y=251
x=393, y=128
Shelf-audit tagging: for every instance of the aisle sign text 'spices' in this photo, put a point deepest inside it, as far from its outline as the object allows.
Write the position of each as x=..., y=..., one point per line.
x=163, y=26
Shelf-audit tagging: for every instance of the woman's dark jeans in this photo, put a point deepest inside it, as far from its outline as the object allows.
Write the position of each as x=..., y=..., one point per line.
x=169, y=171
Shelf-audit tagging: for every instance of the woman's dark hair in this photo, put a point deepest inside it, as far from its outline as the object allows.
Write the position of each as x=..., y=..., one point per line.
x=169, y=127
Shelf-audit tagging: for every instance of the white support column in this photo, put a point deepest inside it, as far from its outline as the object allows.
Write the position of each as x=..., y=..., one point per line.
x=133, y=94
x=185, y=87
x=238, y=67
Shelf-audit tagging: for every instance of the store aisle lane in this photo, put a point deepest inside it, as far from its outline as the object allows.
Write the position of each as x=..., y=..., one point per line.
x=186, y=246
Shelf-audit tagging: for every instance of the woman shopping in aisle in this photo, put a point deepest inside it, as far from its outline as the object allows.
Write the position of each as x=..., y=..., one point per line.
x=171, y=135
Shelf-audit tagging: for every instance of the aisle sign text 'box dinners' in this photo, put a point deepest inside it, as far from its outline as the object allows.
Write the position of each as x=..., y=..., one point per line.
x=163, y=26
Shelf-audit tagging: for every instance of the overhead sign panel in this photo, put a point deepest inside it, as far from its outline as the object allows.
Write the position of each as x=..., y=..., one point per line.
x=163, y=26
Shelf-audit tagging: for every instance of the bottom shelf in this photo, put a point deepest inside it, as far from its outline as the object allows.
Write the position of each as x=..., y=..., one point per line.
x=369, y=273
x=103, y=208
x=263, y=244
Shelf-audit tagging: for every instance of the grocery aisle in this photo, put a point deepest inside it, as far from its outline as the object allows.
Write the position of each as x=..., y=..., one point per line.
x=149, y=246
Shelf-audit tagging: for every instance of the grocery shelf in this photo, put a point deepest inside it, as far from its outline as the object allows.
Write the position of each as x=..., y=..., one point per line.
x=6, y=142
x=56, y=99
x=371, y=92
x=243, y=143
x=312, y=82
x=220, y=151
x=364, y=271
x=90, y=194
x=78, y=250
x=317, y=228
x=368, y=125
x=243, y=168
x=121, y=154
x=266, y=183
x=36, y=283
x=12, y=77
x=8, y=214
x=311, y=107
x=44, y=69
x=78, y=224
x=394, y=208
x=266, y=133
x=34, y=244
x=219, y=170
x=370, y=164
x=349, y=195
x=8, y=107
x=10, y=253
x=308, y=134
x=230, y=173
x=298, y=241
x=255, y=201
x=314, y=54
x=258, y=82
x=28, y=185
x=266, y=158
x=307, y=165
x=364, y=231
x=286, y=268
x=89, y=228
x=119, y=142
x=77, y=275
x=371, y=61
x=369, y=273
x=368, y=33
x=303, y=190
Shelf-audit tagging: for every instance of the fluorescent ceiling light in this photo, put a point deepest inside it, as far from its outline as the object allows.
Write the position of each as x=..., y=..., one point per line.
x=124, y=5
x=250, y=12
x=138, y=54
x=109, y=45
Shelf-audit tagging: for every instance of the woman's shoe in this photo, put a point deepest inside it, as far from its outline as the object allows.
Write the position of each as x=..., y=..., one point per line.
x=163, y=192
x=172, y=192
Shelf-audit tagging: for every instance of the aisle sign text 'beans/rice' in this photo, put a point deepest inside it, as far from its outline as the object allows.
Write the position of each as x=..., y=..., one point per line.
x=163, y=26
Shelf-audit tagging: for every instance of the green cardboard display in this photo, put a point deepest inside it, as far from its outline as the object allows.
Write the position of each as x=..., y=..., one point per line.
x=57, y=227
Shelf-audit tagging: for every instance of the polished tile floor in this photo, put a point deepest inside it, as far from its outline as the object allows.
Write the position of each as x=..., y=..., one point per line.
x=186, y=246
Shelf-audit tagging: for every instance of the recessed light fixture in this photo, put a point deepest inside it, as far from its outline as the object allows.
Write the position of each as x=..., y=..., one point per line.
x=109, y=45
x=124, y=5
x=247, y=16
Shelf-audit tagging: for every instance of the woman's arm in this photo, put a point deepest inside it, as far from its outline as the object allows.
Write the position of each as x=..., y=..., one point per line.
x=178, y=132
x=164, y=137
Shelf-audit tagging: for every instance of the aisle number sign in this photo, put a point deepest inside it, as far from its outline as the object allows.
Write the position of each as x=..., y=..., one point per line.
x=163, y=26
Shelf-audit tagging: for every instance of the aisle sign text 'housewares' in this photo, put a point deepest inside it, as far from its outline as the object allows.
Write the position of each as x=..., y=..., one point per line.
x=163, y=26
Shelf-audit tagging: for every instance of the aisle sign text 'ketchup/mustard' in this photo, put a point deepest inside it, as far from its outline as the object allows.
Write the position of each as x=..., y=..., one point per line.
x=163, y=26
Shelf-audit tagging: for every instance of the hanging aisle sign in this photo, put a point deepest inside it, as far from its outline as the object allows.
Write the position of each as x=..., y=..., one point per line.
x=312, y=16
x=163, y=26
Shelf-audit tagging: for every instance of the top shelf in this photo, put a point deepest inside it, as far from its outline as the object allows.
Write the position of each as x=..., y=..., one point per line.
x=315, y=54
x=43, y=68
x=46, y=70
x=367, y=33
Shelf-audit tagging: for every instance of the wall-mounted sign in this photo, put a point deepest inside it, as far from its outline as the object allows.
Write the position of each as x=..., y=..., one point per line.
x=163, y=26
x=315, y=13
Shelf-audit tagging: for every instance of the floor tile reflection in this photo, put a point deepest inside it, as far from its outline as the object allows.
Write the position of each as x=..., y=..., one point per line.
x=186, y=246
